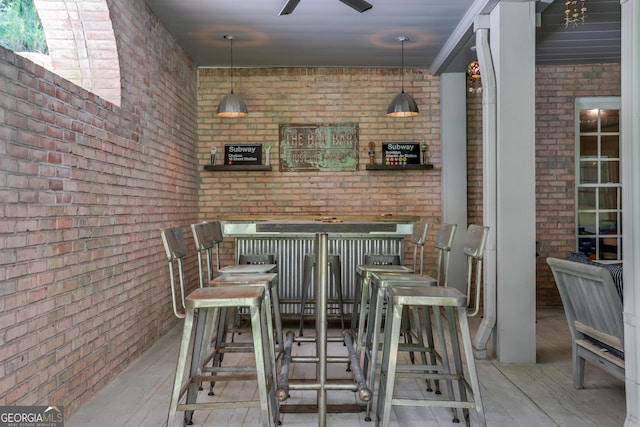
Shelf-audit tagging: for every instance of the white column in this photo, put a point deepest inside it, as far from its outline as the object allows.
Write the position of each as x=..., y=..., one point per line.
x=512, y=41
x=630, y=117
x=453, y=175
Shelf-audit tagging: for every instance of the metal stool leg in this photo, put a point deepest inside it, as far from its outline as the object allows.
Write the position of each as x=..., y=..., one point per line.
x=274, y=296
x=265, y=366
x=388, y=367
x=357, y=295
x=336, y=272
x=373, y=340
x=307, y=271
x=365, y=297
x=182, y=362
x=471, y=364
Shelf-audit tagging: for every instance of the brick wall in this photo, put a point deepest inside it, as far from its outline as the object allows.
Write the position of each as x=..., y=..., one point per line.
x=84, y=188
x=82, y=45
x=318, y=95
x=474, y=156
x=556, y=90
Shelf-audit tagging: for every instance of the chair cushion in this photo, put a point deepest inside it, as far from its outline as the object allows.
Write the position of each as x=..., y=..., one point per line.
x=614, y=270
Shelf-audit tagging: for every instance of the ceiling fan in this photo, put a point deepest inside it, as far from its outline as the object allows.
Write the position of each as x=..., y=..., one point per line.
x=359, y=5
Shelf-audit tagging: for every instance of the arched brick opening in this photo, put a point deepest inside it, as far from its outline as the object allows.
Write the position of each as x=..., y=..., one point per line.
x=82, y=45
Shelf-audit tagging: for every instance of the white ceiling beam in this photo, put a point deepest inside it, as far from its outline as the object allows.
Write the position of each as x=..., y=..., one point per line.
x=460, y=35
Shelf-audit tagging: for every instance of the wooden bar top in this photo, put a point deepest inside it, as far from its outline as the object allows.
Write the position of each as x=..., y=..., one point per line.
x=324, y=226
x=271, y=217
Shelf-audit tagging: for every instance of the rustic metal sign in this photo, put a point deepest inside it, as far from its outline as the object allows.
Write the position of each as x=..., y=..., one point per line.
x=319, y=147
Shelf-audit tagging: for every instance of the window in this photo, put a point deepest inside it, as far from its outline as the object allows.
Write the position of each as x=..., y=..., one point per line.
x=85, y=53
x=598, y=184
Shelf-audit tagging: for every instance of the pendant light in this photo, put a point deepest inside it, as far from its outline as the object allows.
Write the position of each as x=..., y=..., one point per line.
x=231, y=106
x=403, y=104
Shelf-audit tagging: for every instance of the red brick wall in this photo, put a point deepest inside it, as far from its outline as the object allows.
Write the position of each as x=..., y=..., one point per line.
x=556, y=90
x=318, y=95
x=84, y=188
x=474, y=157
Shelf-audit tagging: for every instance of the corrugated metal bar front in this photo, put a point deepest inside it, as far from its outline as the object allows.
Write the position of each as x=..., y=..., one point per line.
x=290, y=259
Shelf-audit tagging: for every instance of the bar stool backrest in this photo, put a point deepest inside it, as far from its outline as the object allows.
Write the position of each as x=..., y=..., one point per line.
x=207, y=237
x=257, y=259
x=418, y=239
x=176, y=249
x=444, y=241
x=474, y=243
x=382, y=259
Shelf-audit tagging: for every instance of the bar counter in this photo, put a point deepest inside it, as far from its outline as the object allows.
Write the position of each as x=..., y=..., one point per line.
x=290, y=249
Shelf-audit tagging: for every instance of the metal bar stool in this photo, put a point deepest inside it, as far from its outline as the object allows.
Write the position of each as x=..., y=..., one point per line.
x=454, y=304
x=268, y=279
x=443, y=244
x=377, y=263
x=363, y=295
x=208, y=236
x=379, y=285
x=474, y=243
x=204, y=302
x=212, y=301
x=335, y=272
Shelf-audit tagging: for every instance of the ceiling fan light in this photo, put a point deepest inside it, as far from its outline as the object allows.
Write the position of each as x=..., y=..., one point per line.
x=232, y=106
x=402, y=105
x=359, y=5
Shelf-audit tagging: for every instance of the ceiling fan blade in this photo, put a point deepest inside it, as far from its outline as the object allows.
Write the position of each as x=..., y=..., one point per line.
x=359, y=5
x=288, y=7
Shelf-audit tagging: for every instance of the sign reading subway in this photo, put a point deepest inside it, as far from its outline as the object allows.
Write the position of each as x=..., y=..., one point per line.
x=246, y=154
x=401, y=153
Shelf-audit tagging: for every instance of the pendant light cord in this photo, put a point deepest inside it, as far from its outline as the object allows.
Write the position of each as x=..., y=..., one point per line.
x=231, y=55
x=402, y=62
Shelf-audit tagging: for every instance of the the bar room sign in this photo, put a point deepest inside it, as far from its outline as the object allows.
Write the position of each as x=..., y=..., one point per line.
x=243, y=154
x=319, y=147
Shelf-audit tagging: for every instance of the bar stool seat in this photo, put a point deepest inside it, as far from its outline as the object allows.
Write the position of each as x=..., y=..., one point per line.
x=335, y=272
x=205, y=301
x=248, y=269
x=454, y=304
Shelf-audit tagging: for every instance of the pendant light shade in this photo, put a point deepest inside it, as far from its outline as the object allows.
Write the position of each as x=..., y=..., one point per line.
x=403, y=104
x=231, y=106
